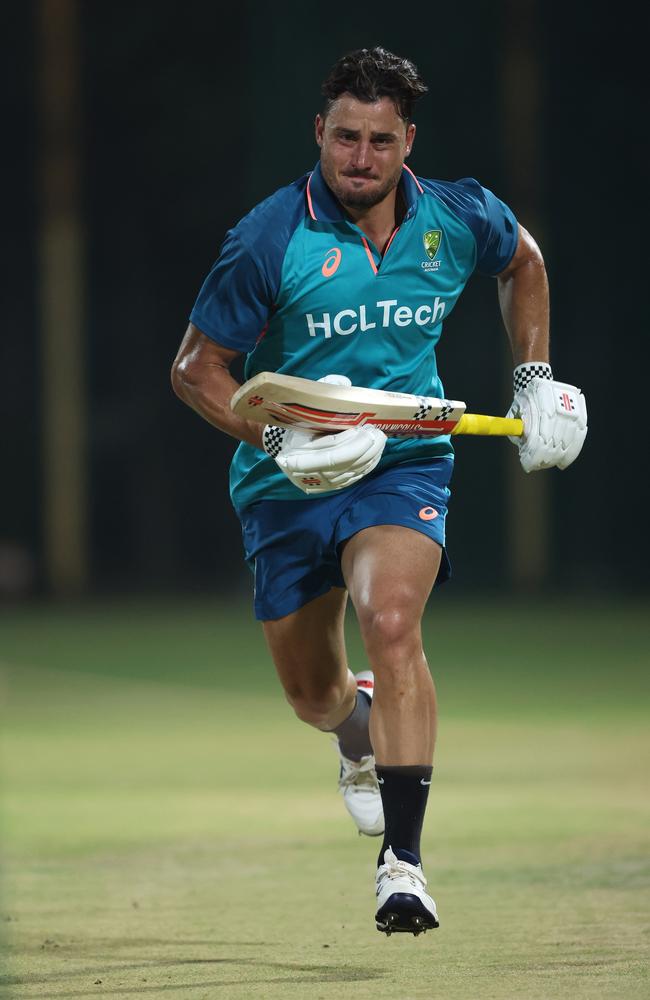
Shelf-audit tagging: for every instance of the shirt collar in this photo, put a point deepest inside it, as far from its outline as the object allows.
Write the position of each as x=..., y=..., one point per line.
x=324, y=207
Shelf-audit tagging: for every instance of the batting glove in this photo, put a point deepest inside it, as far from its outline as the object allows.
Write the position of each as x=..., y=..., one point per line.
x=554, y=416
x=322, y=463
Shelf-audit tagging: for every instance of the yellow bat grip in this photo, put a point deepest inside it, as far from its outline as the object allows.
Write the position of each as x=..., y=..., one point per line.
x=477, y=423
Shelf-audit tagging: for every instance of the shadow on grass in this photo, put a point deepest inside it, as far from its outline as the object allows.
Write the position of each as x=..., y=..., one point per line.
x=302, y=973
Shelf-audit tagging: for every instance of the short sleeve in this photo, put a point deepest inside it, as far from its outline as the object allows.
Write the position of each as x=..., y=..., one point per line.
x=494, y=226
x=235, y=301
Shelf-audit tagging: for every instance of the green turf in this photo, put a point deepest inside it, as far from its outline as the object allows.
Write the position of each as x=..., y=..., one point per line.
x=170, y=830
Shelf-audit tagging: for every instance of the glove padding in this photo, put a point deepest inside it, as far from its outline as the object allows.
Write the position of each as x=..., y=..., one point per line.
x=333, y=461
x=320, y=464
x=555, y=424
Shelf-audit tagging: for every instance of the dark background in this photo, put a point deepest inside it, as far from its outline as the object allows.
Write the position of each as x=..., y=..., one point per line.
x=190, y=115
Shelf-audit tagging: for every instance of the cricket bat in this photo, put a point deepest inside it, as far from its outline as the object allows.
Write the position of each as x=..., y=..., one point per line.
x=288, y=401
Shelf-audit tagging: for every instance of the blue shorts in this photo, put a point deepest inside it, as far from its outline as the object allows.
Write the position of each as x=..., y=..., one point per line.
x=293, y=546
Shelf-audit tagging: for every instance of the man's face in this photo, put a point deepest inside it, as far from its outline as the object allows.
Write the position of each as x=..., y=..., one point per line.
x=363, y=147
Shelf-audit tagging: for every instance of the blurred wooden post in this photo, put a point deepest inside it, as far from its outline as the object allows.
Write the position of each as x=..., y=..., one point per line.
x=521, y=88
x=61, y=259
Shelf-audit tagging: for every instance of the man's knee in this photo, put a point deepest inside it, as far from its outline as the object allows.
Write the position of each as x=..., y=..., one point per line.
x=315, y=703
x=388, y=627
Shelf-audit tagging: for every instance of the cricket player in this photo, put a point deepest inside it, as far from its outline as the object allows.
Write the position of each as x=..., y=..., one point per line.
x=347, y=274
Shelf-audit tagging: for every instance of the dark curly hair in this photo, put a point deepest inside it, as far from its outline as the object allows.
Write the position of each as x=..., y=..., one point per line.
x=369, y=74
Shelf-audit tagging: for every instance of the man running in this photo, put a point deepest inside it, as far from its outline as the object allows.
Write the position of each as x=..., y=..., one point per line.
x=347, y=274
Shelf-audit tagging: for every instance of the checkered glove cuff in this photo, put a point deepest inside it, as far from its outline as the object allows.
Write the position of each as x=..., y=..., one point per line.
x=272, y=438
x=523, y=374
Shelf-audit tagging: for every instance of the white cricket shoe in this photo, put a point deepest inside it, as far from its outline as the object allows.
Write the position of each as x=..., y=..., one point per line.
x=358, y=780
x=402, y=903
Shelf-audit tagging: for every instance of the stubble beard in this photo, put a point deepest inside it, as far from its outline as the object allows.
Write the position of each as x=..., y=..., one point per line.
x=361, y=199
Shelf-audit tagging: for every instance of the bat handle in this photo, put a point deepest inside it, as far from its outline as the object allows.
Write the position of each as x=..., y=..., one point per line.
x=477, y=423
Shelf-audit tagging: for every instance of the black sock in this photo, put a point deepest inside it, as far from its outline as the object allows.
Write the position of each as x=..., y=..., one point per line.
x=404, y=793
x=353, y=734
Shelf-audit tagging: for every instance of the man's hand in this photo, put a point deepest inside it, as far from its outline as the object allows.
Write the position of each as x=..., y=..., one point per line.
x=333, y=461
x=319, y=464
x=554, y=416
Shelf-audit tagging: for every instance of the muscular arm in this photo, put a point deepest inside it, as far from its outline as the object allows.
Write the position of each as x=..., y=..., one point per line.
x=523, y=297
x=201, y=378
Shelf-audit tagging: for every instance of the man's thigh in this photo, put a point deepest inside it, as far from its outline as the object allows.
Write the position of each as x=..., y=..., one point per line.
x=294, y=546
x=308, y=645
x=390, y=570
x=397, y=519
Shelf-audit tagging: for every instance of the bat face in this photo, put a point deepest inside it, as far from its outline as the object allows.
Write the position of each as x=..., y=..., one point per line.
x=300, y=403
x=309, y=418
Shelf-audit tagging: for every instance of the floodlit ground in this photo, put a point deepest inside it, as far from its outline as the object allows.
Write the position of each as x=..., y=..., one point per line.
x=170, y=830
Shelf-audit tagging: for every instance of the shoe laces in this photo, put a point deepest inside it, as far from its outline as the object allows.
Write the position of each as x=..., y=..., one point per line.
x=358, y=773
x=394, y=868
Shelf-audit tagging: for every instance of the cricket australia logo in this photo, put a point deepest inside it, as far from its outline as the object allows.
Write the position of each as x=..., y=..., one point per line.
x=431, y=239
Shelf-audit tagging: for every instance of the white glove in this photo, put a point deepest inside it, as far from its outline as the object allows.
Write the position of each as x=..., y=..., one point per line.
x=554, y=416
x=322, y=463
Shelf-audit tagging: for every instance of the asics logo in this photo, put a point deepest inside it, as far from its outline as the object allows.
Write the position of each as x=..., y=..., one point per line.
x=332, y=262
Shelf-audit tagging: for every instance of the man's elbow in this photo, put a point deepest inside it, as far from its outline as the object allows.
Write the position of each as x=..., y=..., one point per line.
x=184, y=378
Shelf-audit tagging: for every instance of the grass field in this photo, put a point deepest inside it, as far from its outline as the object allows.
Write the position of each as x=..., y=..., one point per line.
x=170, y=830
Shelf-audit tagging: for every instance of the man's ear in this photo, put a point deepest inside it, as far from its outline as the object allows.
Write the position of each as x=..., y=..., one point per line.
x=319, y=125
x=410, y=138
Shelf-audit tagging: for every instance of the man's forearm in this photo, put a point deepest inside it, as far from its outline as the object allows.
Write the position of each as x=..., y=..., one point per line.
x=208, y=390
x=524, y=301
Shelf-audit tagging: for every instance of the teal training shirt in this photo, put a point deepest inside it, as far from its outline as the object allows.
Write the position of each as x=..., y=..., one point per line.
x=301, y=290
